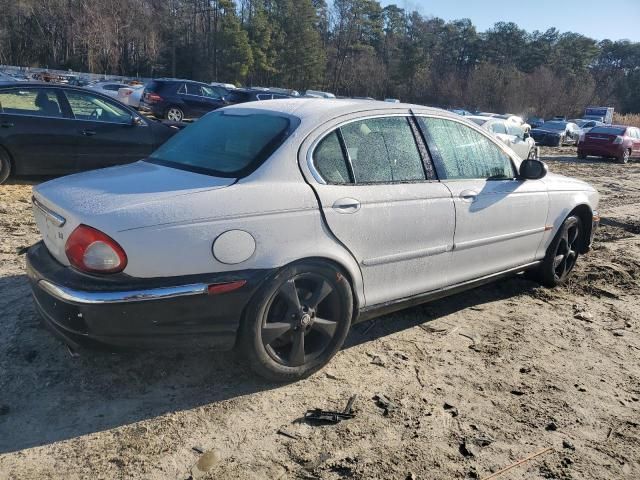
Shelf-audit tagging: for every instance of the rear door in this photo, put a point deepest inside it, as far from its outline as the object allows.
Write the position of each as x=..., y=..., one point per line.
x=200, y=99
x=380, y=199
x=500, y=220
x=106, y=132
x=37, y=130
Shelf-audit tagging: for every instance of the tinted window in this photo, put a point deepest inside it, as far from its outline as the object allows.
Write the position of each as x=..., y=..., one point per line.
x=194, y=89
x=329, y=160
x=264, y=96
x=225, y=144
x=238, y=97
x=464, y=153
x=113, y=87
x=383, y=150
x=608, y=130
x=499, y=127
x=555, y=125
x=30, y=101
x=87, y=107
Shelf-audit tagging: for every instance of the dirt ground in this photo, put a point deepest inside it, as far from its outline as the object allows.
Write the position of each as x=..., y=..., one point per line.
x=478, y=381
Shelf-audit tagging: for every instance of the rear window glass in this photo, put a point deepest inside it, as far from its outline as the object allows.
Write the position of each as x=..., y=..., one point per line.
x=608, y=130
x=555, y=125
x=225, y=144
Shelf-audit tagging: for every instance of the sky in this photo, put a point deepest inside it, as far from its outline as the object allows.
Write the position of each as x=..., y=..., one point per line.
x=597, y=19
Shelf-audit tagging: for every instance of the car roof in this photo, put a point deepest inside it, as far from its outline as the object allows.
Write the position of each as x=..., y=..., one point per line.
x=317, y=110
x=481, y=117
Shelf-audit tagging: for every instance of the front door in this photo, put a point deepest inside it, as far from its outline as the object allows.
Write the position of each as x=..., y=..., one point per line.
x=500, y=220
x=37, y=131
x=106, y=133
x=381, y=202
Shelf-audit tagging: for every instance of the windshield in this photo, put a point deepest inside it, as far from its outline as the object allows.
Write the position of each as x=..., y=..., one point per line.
x=608, y=130
x=225, y=143
x=555, y=125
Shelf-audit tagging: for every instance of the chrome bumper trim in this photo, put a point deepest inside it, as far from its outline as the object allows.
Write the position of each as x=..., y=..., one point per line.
x=56, y=219
x=93, y=298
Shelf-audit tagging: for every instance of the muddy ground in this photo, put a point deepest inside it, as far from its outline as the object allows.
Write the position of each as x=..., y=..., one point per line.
x=478, y=381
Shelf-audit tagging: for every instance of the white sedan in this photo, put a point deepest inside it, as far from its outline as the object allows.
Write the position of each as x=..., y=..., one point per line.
x=274, y=226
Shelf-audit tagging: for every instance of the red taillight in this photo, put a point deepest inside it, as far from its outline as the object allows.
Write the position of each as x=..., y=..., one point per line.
x=90, y=250
x=153, y=97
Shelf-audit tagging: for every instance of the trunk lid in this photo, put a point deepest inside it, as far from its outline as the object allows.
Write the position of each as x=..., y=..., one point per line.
x=102, y=198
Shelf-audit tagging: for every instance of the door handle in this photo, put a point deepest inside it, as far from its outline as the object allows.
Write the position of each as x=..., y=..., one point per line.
x=469, y=195
x=346, y=205
x=6, y=125
x=88, y=133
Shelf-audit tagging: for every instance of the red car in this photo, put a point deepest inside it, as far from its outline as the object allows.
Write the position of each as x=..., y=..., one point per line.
x=611, y=141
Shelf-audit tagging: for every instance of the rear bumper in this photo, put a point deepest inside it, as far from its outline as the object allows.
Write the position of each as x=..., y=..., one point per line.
x=547, y=140
x=123, y=311
x=601, y=150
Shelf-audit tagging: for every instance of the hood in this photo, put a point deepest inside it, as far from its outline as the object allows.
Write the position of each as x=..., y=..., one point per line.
x=556, y=181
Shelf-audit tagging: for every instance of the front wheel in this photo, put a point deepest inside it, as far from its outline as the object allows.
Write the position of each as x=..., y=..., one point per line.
x=297, y=322
x=5, y=166
x=562, y=254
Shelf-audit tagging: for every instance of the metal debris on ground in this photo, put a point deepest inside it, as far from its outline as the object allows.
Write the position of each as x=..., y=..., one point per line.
x=318, y=415
x=288, y=434
x=383, y=402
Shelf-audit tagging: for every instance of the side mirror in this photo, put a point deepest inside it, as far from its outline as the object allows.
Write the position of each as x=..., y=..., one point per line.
x=531, y=169
x=137, y=121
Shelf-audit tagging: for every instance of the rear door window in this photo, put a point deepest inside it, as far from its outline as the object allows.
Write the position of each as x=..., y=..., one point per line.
x=330, y=160
x=38, y=102
x=383, y=150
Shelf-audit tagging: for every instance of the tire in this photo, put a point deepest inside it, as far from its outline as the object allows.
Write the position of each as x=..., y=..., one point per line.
x=624, y=158
x=5, y=166
x=582, y=156
x=562, y=254
x=297, y=321
x=174, y=114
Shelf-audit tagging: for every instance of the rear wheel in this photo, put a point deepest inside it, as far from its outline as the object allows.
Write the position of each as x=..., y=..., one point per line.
x=5, y=166
x=297, y=322
x=174, y=114
x=624, y=158
x=582, y=156
x=562, y=254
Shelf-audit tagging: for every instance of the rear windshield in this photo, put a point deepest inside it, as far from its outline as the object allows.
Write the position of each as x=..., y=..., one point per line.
x=225, y=143
x=608, y=130
x=555, y=125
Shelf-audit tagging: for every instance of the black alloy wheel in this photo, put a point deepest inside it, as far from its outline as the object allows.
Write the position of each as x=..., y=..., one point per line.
x=299, y=321
x=562, y=254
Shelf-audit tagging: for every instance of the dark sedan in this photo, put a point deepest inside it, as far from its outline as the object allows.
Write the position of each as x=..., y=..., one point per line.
x=243, y=95
x=556, y=133
x=48, y=129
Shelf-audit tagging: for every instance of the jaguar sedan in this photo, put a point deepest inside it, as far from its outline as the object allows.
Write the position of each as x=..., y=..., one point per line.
x=274, y=226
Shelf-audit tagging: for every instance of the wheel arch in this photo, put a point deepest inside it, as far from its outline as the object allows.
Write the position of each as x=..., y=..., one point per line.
x=12, y=162
x=585, y=214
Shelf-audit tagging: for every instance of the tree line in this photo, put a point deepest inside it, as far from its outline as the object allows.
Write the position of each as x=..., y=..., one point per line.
x=349, y=47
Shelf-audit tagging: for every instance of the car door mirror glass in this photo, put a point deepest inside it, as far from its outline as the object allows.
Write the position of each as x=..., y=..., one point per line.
x=532, y=169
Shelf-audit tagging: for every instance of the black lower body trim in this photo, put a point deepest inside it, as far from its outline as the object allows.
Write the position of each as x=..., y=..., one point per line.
x=373, y=311
x=198, y=320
